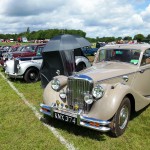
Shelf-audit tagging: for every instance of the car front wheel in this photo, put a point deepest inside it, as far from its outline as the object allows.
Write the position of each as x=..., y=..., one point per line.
x=31, y=75
x=121, y=118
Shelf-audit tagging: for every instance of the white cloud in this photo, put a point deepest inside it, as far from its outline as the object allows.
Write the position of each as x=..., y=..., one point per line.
x=95, y=17
x=146, y=14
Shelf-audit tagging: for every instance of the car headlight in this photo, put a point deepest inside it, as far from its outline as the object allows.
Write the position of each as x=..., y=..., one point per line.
x=98, y=92
x=55, y=84
x=18, y=66
x=88, y=98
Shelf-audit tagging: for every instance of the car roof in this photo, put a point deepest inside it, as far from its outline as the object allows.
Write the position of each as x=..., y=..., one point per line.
x=142, y=47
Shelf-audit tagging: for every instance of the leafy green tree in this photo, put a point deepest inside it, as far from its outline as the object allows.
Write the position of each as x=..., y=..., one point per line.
x=139, y=37
x=128, y=38
x=148, y=36
x=118, y=38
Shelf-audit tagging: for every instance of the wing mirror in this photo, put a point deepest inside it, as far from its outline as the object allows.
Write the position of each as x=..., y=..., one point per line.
x=125, y=78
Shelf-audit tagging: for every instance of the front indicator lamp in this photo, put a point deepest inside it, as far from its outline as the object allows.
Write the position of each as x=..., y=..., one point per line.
x=57, y=102
x=62, y=94
x=76, y=107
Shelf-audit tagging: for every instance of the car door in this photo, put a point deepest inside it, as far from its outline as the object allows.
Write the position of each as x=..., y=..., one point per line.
x=142, y=78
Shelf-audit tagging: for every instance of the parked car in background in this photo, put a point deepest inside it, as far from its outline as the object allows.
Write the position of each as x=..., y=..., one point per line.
x=100, y=44
x=23, y=51
x=25, y=67
x=5, y=50
x=89, y=51
x=27, y=51
x=103, y=96
x=28, y=68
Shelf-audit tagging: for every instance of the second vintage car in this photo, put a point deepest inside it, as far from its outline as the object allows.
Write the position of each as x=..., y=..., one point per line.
x=22, y=51
x=28, y=68
x=103, y=96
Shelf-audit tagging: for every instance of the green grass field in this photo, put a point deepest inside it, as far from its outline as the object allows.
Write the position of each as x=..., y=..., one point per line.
x=20, y=129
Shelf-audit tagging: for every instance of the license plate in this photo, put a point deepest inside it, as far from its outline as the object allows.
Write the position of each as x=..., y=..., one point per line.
x=65, y=118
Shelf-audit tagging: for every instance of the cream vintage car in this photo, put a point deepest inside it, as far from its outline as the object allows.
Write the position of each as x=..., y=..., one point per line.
x=103, y=96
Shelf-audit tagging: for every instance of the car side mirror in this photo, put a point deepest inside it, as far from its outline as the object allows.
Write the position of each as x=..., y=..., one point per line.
x=125, y=78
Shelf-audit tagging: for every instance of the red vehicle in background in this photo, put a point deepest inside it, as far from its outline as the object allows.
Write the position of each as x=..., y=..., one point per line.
x=27, y=51
x=24, y=51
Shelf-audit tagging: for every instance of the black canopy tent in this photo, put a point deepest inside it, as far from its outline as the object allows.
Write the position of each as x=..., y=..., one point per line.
x=59, y=54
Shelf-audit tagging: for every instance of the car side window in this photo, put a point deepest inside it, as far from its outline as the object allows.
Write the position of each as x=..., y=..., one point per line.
x=102, y=55
x=39, y=51
x=146, y=58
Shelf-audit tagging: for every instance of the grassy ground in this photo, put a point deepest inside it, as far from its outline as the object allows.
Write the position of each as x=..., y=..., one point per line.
x=19, y=129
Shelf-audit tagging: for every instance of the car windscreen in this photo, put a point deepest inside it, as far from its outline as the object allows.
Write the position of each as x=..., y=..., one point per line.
x=120, y=55
x=20, y=48
x=27, y=49
x=39, y=50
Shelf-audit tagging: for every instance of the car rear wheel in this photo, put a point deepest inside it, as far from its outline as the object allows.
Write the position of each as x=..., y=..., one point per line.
x=121, y=118
x=31, y=75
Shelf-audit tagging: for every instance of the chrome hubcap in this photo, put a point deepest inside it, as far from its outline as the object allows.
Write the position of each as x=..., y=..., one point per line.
x=32, y=75
x=123, y=117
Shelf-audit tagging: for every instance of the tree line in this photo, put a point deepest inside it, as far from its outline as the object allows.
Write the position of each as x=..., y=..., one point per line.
x=48, y=34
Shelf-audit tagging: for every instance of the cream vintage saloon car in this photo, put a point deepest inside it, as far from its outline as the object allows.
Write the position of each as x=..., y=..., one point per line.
x=103, y=96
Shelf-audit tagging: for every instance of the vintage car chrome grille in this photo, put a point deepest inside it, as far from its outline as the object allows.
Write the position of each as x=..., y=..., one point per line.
x=77, y=87
x=16, y=62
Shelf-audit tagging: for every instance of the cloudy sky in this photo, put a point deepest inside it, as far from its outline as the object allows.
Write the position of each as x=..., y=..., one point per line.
x=98, y=18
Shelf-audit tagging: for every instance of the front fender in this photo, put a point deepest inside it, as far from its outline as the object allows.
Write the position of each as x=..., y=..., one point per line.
x=79, y=59
x=106, y=107
x=26, y=65
x=49, y=95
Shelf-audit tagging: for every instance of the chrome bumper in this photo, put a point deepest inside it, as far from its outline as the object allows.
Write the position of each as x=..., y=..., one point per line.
x=14, y=75
x=82, y=120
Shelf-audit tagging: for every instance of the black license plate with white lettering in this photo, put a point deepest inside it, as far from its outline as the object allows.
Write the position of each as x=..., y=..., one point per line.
x=65, y=118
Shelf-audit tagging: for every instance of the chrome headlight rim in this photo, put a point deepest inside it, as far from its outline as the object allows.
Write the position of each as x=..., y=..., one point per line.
x=98, y=92
x=88, y=98
x=55, y=84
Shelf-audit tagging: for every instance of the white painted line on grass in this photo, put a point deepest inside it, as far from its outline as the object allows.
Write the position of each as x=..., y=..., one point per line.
x=38, y=115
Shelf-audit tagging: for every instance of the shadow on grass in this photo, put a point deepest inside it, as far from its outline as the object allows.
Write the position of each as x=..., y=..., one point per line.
x=83, y=131
x=2, y=69
x=74, y=129
x=15, y=80
x=20, y=80
x=136, y=114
